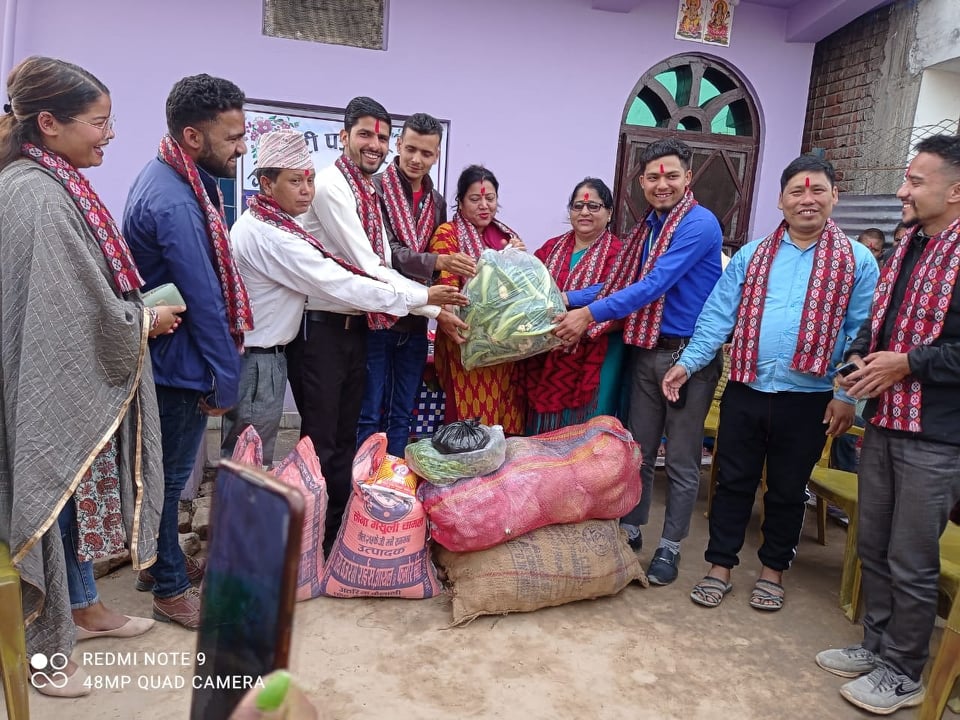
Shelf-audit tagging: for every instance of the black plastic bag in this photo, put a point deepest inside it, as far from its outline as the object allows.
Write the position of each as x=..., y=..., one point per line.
x=461, y=436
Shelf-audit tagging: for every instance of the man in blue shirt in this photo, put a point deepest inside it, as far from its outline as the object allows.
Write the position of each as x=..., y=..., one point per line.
x=669, y=265
x=793, y=301
x=174, y=225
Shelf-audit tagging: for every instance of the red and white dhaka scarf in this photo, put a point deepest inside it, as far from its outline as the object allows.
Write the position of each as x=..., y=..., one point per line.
x=239, y=314
x=919, y=320
x=564, y=379
x=469, y=236
x=413, y=232
x=824, y=309
x=114, y=248
x=642, y=327
x=265, y=209
x=368, y=208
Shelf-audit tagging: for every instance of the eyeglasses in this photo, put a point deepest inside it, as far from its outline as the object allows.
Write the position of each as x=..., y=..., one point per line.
x=593, y=207
x=105, y=127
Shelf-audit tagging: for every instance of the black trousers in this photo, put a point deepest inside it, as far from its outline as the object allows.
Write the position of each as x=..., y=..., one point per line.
x=785, y=430
x=327, y=368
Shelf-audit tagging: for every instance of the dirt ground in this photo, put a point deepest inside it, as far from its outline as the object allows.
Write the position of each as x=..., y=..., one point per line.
x=645, y=654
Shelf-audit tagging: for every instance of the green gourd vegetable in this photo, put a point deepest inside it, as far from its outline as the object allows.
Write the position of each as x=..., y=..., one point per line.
x=513, y=305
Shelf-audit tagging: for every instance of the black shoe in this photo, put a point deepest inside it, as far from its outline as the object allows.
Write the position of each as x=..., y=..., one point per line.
x=663, y=568
x=636, y=543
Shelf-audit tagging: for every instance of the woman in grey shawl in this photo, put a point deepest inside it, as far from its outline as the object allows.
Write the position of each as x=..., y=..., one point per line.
x=80, y=467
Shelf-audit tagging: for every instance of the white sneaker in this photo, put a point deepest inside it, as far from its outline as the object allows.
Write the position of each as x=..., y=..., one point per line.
x=848, y=662
x=883, y=691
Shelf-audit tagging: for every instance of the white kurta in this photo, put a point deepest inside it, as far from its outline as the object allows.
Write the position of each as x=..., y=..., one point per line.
x=333, y=219
x=281, y=270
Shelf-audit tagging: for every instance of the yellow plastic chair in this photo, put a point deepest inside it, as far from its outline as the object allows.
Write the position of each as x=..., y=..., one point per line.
x=13, y=649
x=946, y=666
x=838, y=487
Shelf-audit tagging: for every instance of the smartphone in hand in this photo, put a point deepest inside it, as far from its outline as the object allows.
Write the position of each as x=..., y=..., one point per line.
x=249, y=588
x=166, y=294
x=847, y=368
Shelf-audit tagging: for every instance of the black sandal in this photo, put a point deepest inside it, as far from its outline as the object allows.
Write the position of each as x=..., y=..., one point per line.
x=710, y=591
x=767, y=595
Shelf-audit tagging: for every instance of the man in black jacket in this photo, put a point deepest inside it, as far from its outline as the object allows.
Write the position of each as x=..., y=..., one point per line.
x=412, y=210
x=908, y=355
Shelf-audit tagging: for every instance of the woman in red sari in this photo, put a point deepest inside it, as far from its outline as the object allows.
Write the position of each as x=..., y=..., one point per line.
x=486, y=393
x=572, y=385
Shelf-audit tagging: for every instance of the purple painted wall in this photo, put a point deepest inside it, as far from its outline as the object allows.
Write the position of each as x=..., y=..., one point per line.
x=533, y=89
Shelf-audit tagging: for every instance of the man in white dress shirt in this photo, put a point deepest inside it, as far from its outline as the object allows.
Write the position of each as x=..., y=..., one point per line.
x=328, y=360
x=282, y=265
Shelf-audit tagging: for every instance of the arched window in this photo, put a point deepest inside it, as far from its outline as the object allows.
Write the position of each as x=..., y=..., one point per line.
x=705, y=103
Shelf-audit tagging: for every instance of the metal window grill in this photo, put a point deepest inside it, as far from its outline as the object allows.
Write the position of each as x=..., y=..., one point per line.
x=881, y=157
x=357, y=23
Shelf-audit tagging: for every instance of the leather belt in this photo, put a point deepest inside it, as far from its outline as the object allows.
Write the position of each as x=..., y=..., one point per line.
x=275, y=350
x=672, y=343
x=344, y=322
x=411, y=324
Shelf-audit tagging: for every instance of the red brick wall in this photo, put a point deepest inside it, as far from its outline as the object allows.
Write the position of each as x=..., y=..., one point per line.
x=844, y=90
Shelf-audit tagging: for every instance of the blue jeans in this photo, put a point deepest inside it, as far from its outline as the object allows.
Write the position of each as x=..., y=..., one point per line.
x=182, y=427
x=80, y=582
x=395, y=363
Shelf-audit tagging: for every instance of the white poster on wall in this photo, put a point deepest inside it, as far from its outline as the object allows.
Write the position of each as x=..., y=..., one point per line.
x=321, y=132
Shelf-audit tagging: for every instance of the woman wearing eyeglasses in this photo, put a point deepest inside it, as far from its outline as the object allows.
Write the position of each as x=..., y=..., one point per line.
x=487, y=393
x=572, y=385
x=80, y=455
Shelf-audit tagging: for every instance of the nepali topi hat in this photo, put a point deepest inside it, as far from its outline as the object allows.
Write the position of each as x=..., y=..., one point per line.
x=284, y=150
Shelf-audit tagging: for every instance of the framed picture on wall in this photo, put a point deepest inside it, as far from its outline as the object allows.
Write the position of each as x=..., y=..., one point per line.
x=321, y=128
x=719, y=22
x=690, y=20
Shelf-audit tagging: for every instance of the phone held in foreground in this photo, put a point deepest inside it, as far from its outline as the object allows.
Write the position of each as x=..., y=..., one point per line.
x=249, y=588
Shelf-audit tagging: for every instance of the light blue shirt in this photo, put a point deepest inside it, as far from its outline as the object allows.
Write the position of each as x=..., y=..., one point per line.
x=780, y=323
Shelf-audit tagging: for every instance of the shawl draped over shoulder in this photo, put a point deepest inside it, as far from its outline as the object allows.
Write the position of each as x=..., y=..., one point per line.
x=75, y=372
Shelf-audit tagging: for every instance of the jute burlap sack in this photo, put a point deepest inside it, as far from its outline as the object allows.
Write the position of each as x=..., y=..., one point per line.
x=551, y=566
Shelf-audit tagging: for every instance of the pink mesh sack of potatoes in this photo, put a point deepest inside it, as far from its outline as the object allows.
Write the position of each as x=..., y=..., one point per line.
x=581, y=472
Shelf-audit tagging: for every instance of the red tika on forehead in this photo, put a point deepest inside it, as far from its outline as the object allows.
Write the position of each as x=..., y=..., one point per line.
x=483, y=190
x=586, y=196
x=662, y=171
x=806, y=181
x=376, y=127
x=306, y=173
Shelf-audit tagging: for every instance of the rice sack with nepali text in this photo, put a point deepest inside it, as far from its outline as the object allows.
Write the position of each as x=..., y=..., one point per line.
x=381, y=549
x=300, y=470
x=581, y=472
x=513, y=303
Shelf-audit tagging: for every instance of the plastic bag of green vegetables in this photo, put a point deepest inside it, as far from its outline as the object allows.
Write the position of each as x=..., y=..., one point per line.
x=513, y=303
x=432, y=465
